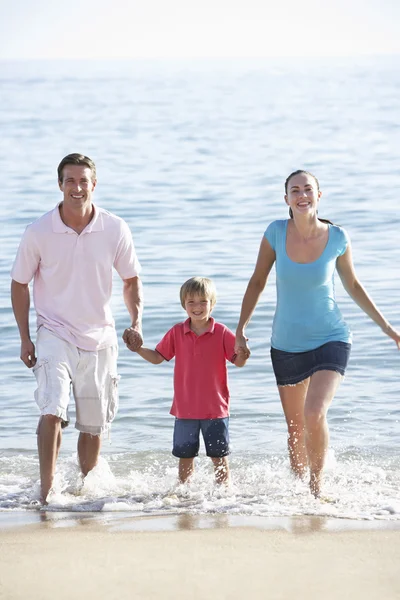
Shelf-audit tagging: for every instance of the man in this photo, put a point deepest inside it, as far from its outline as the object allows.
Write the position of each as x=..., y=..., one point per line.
x=70, y=252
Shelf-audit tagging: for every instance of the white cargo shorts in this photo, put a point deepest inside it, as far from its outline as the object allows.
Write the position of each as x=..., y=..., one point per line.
x=92, y=377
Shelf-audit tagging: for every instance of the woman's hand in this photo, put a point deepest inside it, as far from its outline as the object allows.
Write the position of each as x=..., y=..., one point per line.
x=395, y=335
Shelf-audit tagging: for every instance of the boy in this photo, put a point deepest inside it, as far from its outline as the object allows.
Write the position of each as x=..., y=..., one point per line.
x=201, y=348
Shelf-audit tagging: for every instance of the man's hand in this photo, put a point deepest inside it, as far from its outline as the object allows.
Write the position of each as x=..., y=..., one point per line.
x=133, y=338
x=28, y=353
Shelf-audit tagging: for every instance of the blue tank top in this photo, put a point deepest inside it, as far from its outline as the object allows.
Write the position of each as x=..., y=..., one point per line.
x=307, y=315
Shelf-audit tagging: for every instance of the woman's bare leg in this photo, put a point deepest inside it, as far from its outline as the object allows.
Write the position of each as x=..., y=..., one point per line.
x=293, y=399
x=320, y=393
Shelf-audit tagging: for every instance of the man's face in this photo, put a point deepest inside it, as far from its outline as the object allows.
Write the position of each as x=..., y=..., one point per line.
x=77, y=185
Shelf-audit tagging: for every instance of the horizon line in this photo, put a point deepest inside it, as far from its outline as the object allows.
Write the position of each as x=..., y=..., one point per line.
x=197, y=57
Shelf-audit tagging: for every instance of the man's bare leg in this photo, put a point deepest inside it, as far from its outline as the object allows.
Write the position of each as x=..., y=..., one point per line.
x=88, y=451
x=221, y=469
x=49, y=442
x=186, y=469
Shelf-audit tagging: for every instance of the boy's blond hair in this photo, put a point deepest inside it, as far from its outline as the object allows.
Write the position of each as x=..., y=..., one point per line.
x=201, y=286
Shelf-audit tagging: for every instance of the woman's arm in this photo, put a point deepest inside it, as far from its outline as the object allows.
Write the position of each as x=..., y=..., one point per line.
x=265, y=261
x=353, y=287
x=151, y=356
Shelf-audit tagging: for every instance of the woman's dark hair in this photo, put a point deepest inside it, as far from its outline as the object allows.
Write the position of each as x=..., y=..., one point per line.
x=302, y=172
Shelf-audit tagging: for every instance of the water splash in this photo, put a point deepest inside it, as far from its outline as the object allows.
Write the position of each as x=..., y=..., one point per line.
x=146, y=484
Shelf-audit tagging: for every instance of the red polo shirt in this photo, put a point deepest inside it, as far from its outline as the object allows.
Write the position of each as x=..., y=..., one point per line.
x=200, y=374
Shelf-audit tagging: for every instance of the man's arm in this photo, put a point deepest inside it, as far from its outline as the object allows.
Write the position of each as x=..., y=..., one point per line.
x=133, y=296
x=20, y=299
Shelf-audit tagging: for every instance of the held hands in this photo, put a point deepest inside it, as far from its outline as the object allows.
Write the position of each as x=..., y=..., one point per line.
x=28, y=353
x=241, y=357
x=241, y=347
x=133, y=338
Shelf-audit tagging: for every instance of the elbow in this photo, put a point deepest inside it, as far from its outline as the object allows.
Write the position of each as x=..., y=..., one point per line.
x=133, y=282
x=16, y=285
x=257, y=284
x=19, y=290
x=354, y=288
x=130, y=284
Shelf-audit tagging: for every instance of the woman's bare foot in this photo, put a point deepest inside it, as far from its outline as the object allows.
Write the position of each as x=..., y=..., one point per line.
x=315, y=484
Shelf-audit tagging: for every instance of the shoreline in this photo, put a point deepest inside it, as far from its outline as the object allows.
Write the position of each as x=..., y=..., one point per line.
x=125, y=521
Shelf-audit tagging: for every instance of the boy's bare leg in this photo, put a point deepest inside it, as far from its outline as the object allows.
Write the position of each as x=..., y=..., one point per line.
x=49, y=442
x=186, y=469
x=88, y=451
x=221, y=469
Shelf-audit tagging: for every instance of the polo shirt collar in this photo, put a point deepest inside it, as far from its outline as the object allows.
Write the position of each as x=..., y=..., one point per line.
x=96, y=224
x=186, y=326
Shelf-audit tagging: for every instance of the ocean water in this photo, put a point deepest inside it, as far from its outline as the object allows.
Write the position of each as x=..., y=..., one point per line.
x=194, y=156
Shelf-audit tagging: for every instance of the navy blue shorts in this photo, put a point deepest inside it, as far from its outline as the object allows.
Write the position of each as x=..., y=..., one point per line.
x=187, y=437
x=292, y=367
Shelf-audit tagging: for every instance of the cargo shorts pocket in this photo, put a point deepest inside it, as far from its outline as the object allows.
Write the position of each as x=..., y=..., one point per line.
x=112, y=397
x=42, y=393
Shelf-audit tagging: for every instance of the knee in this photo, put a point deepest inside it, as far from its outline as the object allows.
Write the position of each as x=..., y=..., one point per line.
x=49, y=421
x=314, y=418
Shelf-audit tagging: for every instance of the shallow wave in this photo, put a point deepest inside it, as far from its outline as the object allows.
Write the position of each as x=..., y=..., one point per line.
x=143, y=484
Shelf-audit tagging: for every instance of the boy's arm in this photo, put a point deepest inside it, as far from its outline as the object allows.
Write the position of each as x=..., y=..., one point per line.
x=241, y=357
x=152, y=356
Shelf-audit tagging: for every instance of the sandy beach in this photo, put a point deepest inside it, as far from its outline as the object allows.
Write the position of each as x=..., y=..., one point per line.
x=191, y=558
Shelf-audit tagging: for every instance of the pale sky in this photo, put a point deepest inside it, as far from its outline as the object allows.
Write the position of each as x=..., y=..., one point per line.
x=197, y=28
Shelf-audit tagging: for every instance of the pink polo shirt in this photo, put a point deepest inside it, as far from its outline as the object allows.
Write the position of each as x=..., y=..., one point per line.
x=200, y=374
x=73, y=275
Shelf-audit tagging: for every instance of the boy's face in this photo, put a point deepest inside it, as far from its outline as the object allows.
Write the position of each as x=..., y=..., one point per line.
x=198, y=308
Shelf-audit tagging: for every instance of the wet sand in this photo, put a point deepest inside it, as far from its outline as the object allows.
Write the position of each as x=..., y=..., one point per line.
x=45, y=556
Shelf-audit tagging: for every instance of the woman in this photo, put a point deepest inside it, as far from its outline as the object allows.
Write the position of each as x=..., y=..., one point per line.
x=310, y=344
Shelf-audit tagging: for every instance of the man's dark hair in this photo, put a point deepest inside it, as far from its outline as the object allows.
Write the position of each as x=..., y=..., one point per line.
x=76, y=159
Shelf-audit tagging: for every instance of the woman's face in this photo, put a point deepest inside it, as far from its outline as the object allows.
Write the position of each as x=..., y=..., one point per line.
x=302, y=194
